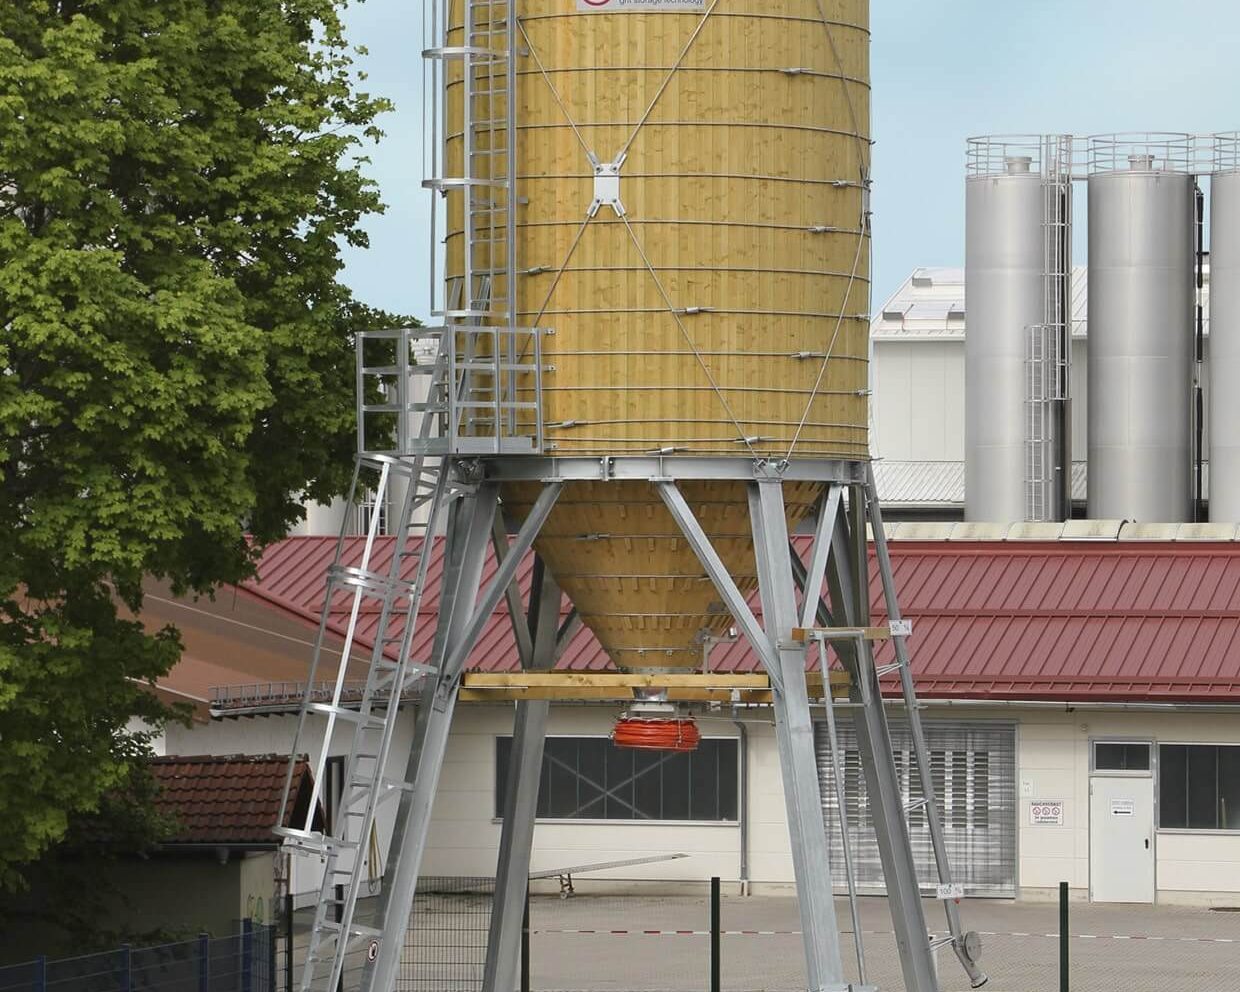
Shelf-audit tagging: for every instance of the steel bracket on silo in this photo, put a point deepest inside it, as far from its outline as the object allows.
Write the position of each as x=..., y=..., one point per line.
x=607, y=185
x=663, y=467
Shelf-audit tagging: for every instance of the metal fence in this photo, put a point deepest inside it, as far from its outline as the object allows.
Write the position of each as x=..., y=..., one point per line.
x=243, y=962
x=638, y=940
x=446, y=943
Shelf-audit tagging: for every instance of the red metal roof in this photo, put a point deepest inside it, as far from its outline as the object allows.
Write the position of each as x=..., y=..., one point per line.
x=1069, y=621
x=229, y=799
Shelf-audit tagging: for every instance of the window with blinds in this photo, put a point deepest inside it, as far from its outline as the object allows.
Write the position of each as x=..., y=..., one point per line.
x=973, y=767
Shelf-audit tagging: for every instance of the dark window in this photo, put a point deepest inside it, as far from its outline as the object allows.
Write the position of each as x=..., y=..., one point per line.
x=981, y=789
x=960, y=789
x=1121, y=757
x=589, y=778
x=1199, y=786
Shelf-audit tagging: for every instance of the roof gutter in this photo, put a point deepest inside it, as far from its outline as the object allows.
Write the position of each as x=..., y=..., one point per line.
x=173, y=847
x=1066, y=706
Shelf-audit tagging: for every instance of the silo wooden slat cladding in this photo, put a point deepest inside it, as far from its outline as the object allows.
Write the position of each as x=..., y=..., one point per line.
x=745, y=127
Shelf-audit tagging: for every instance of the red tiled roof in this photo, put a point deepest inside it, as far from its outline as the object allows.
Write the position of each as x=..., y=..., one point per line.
x=1069, y=621
x=231, y=799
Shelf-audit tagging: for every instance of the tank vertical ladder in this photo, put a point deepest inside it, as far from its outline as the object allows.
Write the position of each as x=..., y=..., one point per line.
x=1048, y=467
x=488, y=139
x=396, y=588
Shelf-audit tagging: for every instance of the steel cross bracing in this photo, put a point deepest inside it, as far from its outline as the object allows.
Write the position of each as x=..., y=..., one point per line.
x=467, y=489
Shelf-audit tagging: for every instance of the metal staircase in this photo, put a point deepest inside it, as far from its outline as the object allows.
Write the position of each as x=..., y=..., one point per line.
x=390, y=592
x=425, y=395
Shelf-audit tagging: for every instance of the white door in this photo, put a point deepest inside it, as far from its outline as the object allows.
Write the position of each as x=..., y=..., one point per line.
x=1121, y=839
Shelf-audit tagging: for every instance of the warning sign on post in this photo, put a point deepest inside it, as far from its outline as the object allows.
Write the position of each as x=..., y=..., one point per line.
x=626, y=6
x=1046, y=812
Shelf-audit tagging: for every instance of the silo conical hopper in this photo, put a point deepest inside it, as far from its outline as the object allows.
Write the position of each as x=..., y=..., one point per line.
x=710, y=303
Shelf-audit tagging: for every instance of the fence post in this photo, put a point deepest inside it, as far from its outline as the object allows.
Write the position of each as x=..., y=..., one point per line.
x=1063, y=937
x=716, y=927
x=342, y=937
x=525, y=944
x=271, y=930
x=288, y=941
x=40, y=973
x=247, y=955
x=126, y=968
x=204, y=962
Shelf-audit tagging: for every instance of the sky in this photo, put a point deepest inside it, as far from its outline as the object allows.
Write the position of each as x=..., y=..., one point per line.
x=942, y=70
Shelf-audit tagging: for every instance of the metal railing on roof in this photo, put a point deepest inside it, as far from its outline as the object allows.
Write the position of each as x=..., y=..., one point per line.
x=279, y=696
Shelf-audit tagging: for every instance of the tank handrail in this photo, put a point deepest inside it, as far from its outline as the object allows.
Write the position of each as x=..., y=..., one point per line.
x=1143, y=151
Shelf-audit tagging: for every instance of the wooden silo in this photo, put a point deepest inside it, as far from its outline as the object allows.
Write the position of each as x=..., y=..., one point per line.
x=720, y=309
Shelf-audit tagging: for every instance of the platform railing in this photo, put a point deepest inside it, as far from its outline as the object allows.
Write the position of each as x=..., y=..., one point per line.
x=454, y=390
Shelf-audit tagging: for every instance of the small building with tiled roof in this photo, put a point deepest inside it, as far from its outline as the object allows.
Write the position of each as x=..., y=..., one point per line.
x=228, y=802
x=219, y=863
x=215, y=864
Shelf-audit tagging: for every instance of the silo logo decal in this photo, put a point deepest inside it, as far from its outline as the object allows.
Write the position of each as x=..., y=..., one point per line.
x=623, y=6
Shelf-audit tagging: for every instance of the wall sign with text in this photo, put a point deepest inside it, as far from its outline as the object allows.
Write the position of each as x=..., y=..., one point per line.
x=1046, y=812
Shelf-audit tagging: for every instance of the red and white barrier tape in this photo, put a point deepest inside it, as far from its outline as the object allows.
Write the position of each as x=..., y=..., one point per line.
x=798, y=933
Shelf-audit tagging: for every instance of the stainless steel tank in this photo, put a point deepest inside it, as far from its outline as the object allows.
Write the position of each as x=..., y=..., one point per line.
x=1224, y=413
x=1141, y=300
x=1004, y=296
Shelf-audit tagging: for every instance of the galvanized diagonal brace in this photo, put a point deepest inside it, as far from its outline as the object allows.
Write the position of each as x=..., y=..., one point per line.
x=733, y=598
x=794, y=734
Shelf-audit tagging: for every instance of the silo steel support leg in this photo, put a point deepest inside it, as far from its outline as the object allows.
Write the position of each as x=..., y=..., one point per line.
x=460, y=619
x=848, y=580
x=961, y=943
x=521, y=798
x=794, y=732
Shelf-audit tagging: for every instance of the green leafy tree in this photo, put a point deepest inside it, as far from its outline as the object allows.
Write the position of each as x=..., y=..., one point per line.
x=177, y=179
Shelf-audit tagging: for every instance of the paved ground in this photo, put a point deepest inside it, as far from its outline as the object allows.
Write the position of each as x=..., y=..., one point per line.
x=1113, y=948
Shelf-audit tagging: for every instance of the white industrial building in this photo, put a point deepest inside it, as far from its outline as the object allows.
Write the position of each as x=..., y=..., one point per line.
x=918, y=409
x=1061, y=674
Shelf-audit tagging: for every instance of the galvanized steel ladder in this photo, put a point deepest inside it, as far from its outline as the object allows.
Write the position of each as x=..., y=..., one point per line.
x=469, y=405
x=889, y=810
x=1047, y=352
x=494, y=359
x=392, y=588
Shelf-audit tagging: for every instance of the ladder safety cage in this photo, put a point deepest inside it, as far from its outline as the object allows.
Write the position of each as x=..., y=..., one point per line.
x=1047, y=354
x=491, y=398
